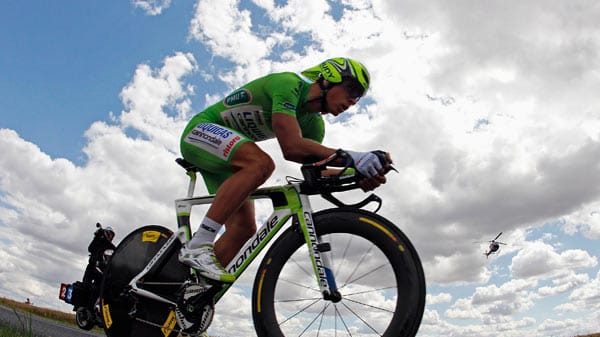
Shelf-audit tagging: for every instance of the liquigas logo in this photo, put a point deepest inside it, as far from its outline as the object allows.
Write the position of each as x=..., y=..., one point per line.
x=238, y=97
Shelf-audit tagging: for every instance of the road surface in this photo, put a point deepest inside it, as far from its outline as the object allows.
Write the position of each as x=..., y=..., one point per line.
x=40, y=326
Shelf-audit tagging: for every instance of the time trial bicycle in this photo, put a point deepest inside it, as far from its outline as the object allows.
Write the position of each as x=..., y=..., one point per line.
x=343, y=271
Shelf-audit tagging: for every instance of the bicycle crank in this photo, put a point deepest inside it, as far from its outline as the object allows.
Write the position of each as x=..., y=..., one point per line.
x=195, y=308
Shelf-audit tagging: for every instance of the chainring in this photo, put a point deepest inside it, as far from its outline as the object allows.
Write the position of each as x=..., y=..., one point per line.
x=195, y=308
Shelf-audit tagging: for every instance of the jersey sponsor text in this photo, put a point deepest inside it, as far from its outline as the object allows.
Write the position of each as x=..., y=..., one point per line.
x=214, y=139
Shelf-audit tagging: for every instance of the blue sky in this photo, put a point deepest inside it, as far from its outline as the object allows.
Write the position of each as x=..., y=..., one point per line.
x=489, y=112
x=64, y=66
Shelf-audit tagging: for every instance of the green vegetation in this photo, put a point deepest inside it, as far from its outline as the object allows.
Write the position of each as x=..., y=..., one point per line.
x=11, y=332
x=54, y=315
x=24, y=330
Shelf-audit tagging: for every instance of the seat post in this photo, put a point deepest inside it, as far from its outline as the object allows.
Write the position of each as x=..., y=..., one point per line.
x=192, y=183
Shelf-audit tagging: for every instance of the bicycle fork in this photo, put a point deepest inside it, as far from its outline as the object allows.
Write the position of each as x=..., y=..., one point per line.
x=319, y=253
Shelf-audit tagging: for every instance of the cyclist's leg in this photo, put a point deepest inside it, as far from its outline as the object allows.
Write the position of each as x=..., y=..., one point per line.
x=233, y=177
x=251, y=168
x=239, y=228
x=234, y=173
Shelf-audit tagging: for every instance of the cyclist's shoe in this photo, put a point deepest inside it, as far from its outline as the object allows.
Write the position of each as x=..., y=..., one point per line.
x=204, y=260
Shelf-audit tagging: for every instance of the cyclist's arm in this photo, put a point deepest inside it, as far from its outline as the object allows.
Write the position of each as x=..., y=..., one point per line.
x=293, y=146
x=296, y=148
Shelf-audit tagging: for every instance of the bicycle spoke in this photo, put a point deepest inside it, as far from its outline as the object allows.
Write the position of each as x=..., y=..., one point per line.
x=369, y=291
x=368, y=305
x=306, y=272
x=321, y=320
x=358, y=264
x=299, y=311
x=298, y=300
x=320, y=314
x=343, y=257
x=300, y=285
x=360, y=318
x=365, y=274
x=337, y=312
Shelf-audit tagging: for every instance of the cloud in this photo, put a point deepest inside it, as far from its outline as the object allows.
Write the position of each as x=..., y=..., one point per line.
x=158, y=102
x=152, y=7
x=126, y=182
x=586, y=219
x=564, y=284
x=555, y=326
x=490, y=112
x=456, y=268
x=227, y=31
x=439, y=298
x=587, y=296
x=496, y=306
x=542, y=261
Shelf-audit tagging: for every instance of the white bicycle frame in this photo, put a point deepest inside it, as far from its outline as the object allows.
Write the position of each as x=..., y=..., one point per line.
x=288, y=202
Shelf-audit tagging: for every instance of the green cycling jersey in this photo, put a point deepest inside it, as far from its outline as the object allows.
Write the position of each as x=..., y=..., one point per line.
x=213, y=135
x=248, y=110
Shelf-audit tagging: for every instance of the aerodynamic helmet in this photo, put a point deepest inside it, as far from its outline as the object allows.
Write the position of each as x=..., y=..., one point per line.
x=341, y=69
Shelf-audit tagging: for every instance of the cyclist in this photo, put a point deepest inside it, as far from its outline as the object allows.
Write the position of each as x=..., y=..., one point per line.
x=102, y=241
x=221, y=141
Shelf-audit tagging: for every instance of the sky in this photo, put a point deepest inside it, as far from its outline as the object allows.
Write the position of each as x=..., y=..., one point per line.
x=489, y=110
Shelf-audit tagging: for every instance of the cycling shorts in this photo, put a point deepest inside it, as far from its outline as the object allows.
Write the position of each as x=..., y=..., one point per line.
x=210, y=147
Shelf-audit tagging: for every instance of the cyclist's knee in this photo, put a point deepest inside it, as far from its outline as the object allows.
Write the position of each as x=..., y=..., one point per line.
x=265, y=165
x=255, y=161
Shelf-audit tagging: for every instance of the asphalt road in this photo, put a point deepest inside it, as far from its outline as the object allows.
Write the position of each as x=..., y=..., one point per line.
x=40, y=326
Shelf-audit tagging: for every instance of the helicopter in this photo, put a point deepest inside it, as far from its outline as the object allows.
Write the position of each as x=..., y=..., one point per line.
x=494, y=245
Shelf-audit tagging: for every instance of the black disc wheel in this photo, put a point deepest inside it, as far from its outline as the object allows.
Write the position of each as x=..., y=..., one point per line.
x=128, y=316
x=377, y=271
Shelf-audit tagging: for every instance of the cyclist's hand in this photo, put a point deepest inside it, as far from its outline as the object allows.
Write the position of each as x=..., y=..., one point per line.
x=369, y=184
x=386, y=161
x=366, y=163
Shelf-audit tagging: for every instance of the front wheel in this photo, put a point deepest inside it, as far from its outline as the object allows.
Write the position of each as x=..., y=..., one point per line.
x=376, y=268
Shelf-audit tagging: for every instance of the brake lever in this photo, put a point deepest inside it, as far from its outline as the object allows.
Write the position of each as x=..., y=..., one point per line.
x=386, y=167
x=389, y=168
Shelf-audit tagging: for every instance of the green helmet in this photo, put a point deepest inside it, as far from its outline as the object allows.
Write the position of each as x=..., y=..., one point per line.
x=337, y=69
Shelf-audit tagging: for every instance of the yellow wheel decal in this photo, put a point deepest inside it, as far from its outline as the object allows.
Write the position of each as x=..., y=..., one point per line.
x=259, y=292
x=167, y=328
x=106, y=314
x=150, y=236
x=380, y=227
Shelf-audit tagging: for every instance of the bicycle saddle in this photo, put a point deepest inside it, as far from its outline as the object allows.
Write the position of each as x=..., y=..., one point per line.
x=187, y=165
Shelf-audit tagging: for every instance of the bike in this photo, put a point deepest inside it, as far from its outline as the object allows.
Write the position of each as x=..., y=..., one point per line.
x=358, y=274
